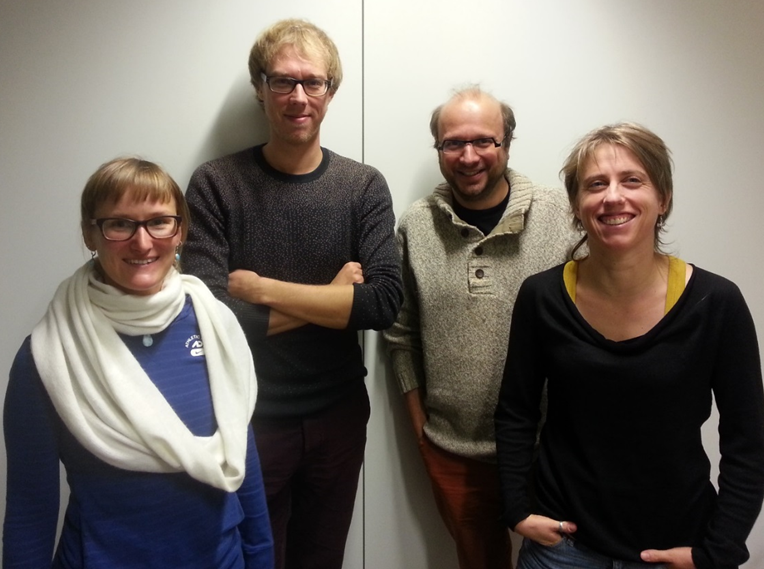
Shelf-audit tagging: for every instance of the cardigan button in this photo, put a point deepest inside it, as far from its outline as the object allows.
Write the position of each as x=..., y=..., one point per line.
x=479, y=273
x=478, y=251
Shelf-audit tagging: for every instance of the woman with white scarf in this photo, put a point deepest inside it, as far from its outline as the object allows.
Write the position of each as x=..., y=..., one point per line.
x=142, y=384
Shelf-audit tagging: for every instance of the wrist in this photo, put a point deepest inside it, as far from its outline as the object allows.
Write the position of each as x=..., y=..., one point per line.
x=261, y=291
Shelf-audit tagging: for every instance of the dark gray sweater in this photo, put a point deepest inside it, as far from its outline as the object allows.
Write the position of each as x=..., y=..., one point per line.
x=301, y=229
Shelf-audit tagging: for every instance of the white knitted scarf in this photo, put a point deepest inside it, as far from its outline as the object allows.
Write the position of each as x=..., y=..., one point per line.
x=109, y=403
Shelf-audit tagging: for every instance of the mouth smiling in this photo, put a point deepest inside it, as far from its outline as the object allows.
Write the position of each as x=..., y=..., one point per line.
x=140, y=262
x=616, y=219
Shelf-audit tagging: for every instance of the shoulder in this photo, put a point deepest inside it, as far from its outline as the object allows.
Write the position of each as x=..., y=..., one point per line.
x=544, y=279
x=422, y=212
x=706, y=283
x=225, y=166
x=339, y=164
x=418, y=209
x=24, y=361
x=541, y=195
x=364, y=183
x=539, y=292
x=544, y=284
x=24, y=378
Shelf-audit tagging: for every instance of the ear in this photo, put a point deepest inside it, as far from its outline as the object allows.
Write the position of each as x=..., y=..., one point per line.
x=665, y=203
x=87, y=237
x=258, y=91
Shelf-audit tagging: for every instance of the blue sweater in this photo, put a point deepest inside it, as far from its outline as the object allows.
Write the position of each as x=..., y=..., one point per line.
x=121, y=518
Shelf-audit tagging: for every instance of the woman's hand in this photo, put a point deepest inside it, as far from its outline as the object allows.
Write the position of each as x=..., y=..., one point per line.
x=543, y=530
x=675, y=558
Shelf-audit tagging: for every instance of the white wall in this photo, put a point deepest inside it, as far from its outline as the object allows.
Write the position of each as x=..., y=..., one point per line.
x=691, y=70
x=82, y=82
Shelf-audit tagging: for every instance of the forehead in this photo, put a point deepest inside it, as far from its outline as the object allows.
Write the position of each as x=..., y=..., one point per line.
x=469, y=118
x=612, y=156
x=135, y=201
x=289, y=60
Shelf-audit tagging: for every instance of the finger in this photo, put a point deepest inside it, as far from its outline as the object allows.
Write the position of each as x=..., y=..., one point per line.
x=655, y=555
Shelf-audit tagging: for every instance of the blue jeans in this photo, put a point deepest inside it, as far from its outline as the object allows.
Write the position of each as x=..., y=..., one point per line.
x=569, y=554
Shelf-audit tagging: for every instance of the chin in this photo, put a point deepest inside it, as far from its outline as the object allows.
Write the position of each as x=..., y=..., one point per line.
x=472, y=196
x=144, y=287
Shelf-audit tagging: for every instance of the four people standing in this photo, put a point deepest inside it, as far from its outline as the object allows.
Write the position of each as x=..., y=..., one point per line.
x=466, y=249
x=142, y=382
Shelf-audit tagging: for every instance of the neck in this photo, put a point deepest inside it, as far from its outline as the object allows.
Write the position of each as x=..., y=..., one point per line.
x=620, y=275
x=290, y=158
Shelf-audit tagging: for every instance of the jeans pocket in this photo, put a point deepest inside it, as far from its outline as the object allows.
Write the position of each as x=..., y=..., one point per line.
x=556, y=545
x=562, y=543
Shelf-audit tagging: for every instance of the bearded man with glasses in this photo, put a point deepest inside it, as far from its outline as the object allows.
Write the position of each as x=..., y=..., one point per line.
x=466, y=248
x=300, y=243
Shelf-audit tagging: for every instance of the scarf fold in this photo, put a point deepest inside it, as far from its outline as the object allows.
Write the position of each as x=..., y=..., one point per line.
x=107, y=400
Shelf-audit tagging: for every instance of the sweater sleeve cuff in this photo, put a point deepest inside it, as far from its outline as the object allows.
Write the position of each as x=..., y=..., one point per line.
x=408, y=369
x=254, y=319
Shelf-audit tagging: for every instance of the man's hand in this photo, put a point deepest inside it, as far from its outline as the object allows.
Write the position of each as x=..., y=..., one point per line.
x=543, y=530
x=350, y=273
x=675, y=558
x=327, y=305
x=243, y=285
x=415, y=405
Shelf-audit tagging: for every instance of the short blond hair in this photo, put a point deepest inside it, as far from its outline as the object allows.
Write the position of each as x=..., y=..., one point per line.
x=308, y=39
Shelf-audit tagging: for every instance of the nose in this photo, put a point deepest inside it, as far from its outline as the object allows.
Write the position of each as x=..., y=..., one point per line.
x=614, y=193
x=141, y=240
x=469, y=156
x=298, y=94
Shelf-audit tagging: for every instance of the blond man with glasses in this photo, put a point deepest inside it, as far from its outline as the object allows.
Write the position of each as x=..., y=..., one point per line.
x=299, y=242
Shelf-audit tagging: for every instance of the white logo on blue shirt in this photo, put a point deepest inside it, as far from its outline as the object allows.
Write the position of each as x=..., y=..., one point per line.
x=195, y=345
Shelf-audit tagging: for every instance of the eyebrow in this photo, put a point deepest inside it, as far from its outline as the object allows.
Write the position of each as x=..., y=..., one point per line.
x=287, y=76
x=479, y=137
x=148, y=215
x=622, y=174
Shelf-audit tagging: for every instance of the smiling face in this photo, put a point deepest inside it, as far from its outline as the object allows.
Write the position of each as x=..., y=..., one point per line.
x=617, y=202
x=476, y=177
x=295, y=118
x=140, y=264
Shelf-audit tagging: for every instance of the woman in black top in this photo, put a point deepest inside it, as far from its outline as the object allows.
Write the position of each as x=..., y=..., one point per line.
x=633, y=344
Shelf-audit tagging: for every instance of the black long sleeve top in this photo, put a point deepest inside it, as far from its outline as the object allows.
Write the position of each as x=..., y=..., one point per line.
x=621, y=452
